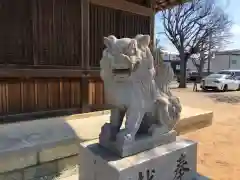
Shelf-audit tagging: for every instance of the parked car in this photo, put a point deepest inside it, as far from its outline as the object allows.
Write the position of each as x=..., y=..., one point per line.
x=192, y=76
x=232, y=72
x=221, y=82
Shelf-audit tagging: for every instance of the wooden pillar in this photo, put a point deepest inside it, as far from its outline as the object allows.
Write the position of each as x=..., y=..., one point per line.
x=85, y=93
x=85, y=55
x=152, y=24
x=85, y=34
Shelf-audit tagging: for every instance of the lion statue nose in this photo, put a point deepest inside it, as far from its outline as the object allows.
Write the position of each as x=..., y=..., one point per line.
x=121, y=61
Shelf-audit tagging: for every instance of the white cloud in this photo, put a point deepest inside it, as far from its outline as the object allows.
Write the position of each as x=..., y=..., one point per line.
x=164, y=42
x=169, y=47
x=235, y=29
x=235, y=39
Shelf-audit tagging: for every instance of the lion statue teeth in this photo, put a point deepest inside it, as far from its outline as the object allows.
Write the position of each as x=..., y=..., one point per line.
x=133, y=87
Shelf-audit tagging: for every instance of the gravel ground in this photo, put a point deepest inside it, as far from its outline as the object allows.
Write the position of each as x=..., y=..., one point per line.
x=219, y=144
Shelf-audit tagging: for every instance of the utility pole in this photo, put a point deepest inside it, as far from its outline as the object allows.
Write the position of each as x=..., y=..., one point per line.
x=201, y=64
x=209, y=53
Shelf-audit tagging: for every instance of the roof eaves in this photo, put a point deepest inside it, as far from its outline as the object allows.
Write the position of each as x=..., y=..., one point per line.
x=165, y=4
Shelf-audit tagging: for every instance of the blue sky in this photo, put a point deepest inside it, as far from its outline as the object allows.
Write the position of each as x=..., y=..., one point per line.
x=231, y=7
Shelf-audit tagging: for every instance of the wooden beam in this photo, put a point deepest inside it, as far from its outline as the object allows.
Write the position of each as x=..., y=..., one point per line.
x=47, y=73
x=6, y=119
x=85, y=54
x=34, y=30
x=166, y=4
x=124, y=6
x=85, y=34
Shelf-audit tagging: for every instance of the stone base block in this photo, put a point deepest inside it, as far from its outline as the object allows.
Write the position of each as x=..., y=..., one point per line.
x=174, y=161
x=141, y=143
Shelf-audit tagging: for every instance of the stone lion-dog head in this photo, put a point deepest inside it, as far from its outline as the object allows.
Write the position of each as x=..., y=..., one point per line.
x=121, y=57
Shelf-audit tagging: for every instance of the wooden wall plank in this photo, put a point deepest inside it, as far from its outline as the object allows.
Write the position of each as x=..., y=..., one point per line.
x=96, y=92
x=42, y=94
x=14, y=96
x=102, y=23
x=3, y=20
x=53, y=94
x=58, y=29
x=66, y=93
x=99, y=93
x=16, y=32
x=138, y=23
x=92, y=93
x=105, y=21
x=76, y=98
x=84, y=93
x=48, y=94
x=3, y=98
x=28, y=95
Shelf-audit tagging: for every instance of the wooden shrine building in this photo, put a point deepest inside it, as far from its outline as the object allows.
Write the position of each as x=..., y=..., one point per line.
x=50, y=51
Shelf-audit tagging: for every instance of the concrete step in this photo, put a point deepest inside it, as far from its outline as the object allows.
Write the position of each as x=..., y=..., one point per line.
x=75, y=177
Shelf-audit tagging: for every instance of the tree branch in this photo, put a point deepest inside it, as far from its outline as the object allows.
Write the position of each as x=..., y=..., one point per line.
x=194, y=27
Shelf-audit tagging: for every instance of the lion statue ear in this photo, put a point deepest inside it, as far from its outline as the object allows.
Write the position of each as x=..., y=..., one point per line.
x=143, y=40
x=109, y=41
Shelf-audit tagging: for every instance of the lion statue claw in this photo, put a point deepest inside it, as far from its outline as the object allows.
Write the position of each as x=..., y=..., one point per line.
x=136, y=89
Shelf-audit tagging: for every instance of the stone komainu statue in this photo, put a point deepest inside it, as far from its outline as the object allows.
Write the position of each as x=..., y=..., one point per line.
x=136, y=89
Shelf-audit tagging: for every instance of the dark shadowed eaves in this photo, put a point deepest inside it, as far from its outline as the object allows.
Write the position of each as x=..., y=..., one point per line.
x=164, y=4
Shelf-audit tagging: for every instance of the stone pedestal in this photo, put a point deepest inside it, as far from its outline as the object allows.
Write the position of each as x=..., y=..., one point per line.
x=173, y=161
x=140, y=144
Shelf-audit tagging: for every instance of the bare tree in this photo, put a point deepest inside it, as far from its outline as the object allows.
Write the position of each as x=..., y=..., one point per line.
x=189, y=26
x=214, y=42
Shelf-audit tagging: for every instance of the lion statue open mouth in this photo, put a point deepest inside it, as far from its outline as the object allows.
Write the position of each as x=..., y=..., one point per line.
x=135, y=90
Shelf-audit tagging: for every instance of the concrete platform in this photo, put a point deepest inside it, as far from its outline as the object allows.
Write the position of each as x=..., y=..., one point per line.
x=33, y=143
x=192, y=119
x=75, y=177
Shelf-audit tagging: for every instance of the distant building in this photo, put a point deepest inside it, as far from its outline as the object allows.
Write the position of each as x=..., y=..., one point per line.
x=168, y=57
x=221, y=60
x=225, y=60
x=174, y=59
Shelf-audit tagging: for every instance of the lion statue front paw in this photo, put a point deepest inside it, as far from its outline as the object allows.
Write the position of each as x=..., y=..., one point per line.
x=124, y=138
